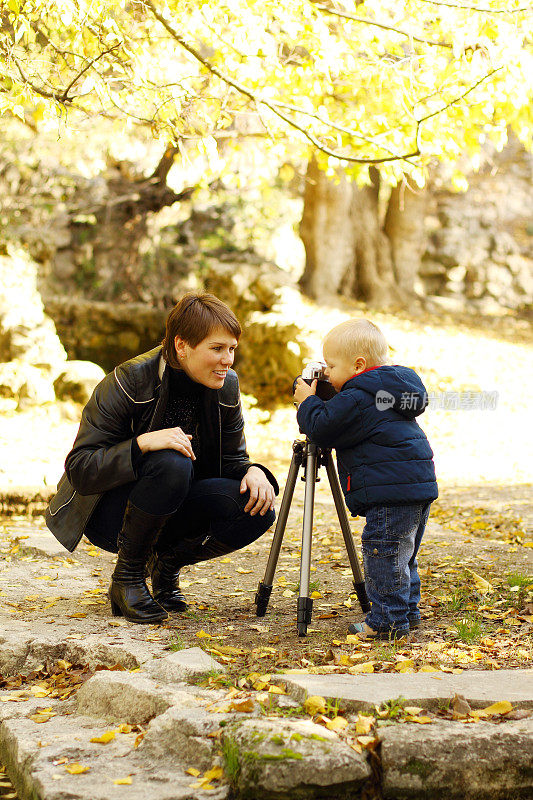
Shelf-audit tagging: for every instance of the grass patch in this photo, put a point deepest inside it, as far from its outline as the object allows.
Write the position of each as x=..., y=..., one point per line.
x=469, y=629
x=457, y=601
x=176, y=643
x=519, y=579
x=230, y=756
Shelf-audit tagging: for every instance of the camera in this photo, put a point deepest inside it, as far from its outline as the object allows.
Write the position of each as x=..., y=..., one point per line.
x=316, y=370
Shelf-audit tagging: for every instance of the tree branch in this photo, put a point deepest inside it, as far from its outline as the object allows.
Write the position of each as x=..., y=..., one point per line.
x=458, y=99
x=382, y=25
x=64, y=96
x=477, y=8
x=267, y=103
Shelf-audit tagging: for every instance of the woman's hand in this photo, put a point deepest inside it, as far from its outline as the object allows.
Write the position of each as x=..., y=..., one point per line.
x=303, y=390
x=167, y=439
x=262, y=494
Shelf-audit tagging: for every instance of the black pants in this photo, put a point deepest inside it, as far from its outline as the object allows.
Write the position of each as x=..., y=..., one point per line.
x=166, y=485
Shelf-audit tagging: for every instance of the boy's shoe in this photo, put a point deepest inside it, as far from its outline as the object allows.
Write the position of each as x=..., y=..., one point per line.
x=365, y=632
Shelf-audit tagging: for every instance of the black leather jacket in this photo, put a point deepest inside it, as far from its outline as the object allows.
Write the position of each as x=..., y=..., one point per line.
x=129, y=401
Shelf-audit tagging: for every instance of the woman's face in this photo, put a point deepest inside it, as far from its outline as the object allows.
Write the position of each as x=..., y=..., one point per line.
x=209, y=361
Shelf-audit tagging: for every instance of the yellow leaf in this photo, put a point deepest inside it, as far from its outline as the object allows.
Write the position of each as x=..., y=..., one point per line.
x=336, y=724
x=125, y=728
x=315, y=705
x=243, y=571
x=214, y=774
x=413, y=710
x=364, y=741
x=503, y=707
x=315, y=595
x=364, y=725
x=76, y=769
x=368, y=666
x=104, y=738
x=193, y=771
x=203, y=635
x=400, y=666
x=276, y=689
x=420, y=720
x=245, y=705
x=427, y=668
x=123, y=781
x=481, y=584
x=287, y=593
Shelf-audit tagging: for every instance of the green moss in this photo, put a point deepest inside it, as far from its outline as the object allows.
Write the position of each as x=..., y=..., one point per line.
x=286, y=753
x=277, y=739
x=416, y=767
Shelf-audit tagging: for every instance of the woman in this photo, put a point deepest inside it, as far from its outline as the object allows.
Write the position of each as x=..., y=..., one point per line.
x=159, y=470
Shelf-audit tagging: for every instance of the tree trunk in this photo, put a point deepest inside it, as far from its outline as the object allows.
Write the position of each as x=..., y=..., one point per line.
x=404, y=228
x=348, y=250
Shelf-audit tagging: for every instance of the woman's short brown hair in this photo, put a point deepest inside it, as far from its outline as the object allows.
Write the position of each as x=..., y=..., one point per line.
x=193, y=318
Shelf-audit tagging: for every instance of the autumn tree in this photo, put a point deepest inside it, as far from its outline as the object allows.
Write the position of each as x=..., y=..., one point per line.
x=370, y=93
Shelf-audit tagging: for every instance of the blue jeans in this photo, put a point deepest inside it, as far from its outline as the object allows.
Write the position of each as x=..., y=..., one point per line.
x=165, y=485
x=390, y=540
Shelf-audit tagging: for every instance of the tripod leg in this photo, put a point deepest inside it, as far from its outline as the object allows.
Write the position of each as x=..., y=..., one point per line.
x=305, y=604
x=264, y=590
x=336, y=491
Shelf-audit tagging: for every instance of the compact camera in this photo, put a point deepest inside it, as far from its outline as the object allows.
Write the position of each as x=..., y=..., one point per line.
x=316, y=370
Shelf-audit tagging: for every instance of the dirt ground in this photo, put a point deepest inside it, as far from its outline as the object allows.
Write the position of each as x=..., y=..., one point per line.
x=475, y=561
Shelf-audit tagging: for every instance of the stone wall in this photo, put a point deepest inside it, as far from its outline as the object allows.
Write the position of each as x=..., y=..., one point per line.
x=480, y=242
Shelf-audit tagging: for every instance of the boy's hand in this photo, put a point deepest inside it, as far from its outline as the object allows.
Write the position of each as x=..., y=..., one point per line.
x=303, y=390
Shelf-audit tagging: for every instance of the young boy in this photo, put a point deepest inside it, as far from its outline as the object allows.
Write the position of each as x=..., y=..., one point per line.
x=385, y=465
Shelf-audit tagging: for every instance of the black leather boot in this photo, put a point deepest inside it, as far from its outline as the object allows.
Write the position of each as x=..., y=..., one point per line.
x=128, y=592
x=166, y=564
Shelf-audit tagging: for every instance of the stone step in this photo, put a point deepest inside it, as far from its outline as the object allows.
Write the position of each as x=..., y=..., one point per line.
x=428, y=689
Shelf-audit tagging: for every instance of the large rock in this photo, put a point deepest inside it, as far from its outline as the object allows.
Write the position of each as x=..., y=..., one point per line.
x=185, y=733
x=183, y=665
x=38, y=758
x=451, y=760
x=19, y=654
x=26, y=333
x=290, y=760
x=26, y=384
x=128, y=697
x=77, y=380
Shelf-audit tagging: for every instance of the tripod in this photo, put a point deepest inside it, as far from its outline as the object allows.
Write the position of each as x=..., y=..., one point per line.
x=311, y=457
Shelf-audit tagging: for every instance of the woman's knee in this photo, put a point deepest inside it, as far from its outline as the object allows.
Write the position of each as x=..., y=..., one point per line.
x=171, y=469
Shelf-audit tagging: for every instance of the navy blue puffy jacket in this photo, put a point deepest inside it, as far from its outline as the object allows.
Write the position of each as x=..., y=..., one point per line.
x=383, y=456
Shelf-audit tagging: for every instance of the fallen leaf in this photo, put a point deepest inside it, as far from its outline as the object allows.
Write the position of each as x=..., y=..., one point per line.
x=193, y=771
x=245, y=705
x=76, y=769
x=502, y=707
x=368, y=666
x=315, y=705
x=123, y=781
x=214, y=774
x=336, y=724
x=460, y=707
x=105, y=738
x=364, y=724
x=482, y=585
x=203, y=635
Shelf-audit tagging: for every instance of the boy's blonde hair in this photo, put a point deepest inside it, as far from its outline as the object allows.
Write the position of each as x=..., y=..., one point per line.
x=358, y=337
